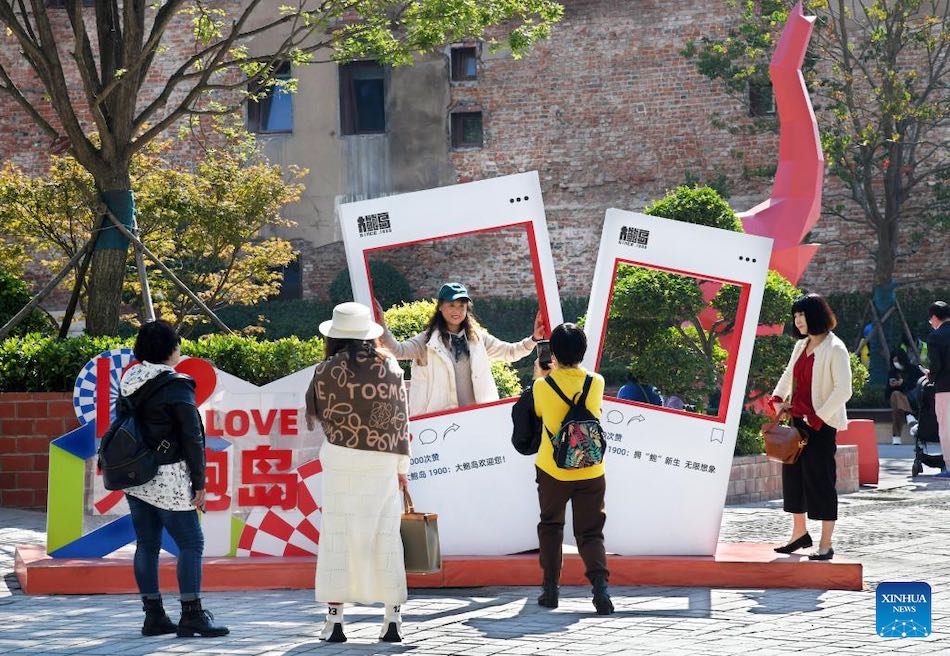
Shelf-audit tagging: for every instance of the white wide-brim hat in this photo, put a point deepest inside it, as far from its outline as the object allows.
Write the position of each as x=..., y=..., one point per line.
x=351, y=321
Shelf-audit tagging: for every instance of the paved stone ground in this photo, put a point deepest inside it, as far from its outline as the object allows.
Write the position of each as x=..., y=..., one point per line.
x=896, y=530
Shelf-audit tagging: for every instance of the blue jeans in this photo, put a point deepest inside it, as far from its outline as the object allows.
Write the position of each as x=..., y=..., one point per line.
x=185, y=530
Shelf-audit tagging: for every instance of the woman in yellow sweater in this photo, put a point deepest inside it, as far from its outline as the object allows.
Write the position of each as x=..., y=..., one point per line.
x=584, y=487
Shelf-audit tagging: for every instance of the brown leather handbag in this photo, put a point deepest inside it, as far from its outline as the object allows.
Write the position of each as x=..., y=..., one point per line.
x=420, y=539
x=783, y=443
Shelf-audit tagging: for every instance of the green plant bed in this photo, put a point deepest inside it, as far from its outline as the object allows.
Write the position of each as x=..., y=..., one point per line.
x=35, y=363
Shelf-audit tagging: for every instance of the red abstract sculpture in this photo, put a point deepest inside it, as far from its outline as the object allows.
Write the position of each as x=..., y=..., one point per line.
x=795, y=204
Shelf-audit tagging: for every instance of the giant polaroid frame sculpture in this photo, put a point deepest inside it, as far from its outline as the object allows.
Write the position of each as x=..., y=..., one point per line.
x=668, y=470
x=481, y=488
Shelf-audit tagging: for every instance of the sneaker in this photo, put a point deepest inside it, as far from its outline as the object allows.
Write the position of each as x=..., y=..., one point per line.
x=943, y=474
x=896, y=439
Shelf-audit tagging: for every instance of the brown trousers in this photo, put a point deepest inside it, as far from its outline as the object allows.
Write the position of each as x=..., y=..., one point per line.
x=587, y=501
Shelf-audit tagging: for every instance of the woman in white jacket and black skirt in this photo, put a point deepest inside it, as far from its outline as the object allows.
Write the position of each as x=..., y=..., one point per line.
x=814, y=388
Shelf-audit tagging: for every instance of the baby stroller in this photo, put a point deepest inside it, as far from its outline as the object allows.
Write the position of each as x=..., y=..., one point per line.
x=924, y=430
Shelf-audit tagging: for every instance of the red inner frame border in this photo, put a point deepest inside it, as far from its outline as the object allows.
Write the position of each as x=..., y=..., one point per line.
x=539, y=291
x=744, y=288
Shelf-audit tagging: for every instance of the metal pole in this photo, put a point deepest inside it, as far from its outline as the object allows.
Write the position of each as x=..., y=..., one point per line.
x=147, y=308
x=77, y=289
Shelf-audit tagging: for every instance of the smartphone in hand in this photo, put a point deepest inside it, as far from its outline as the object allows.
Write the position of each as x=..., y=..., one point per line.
x=544, y=354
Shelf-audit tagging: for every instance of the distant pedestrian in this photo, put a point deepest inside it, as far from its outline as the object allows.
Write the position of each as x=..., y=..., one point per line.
x=634, y=390
x=814, y=389
x=938, y=352
x=172, y=499
x=901, y=383
x=359, y=397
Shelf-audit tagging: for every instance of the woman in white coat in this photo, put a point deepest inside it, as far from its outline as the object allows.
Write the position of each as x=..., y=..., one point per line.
x=451, y=358
x=359, y=397
x=814, y=388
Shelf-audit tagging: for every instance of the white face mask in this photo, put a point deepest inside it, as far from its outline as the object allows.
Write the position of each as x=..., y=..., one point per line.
x=898, y=366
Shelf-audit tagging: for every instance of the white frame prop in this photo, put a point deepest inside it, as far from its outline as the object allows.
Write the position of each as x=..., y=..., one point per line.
x=481, y=488
x=672, y=504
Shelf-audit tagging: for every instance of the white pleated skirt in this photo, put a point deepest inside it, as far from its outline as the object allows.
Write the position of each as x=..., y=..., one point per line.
x=360, y=557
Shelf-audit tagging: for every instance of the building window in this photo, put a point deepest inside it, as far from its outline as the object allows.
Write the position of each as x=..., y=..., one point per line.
x=464, y=64
x=362, y=98
x=761, y=99
x=274, y=112
x=467, y=130
x=292, y=285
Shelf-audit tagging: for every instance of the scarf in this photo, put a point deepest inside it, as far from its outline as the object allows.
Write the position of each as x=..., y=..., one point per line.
x=459, y=346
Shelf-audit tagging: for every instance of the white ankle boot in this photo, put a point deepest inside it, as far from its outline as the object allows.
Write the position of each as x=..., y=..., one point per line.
x=392, y=625
x=333, y=627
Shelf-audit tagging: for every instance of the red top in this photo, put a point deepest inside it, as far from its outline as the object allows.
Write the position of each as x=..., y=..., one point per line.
x=801, y=386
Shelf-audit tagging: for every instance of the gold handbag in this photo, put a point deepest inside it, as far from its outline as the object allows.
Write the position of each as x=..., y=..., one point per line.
x=420, y=539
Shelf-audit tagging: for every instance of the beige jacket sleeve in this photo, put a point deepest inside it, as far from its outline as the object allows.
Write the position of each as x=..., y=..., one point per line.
x=507, y=351
x=414, y=348
x=841, y=383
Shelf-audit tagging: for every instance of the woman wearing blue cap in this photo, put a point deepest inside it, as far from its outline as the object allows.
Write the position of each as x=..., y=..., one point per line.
x=451, y=358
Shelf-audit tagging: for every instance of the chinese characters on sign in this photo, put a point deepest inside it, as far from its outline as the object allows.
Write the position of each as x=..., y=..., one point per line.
x=668, y=461
x=373, y=224
x=634, y=237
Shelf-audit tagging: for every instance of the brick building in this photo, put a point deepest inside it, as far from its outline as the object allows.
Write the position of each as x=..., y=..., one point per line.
x=607, y=111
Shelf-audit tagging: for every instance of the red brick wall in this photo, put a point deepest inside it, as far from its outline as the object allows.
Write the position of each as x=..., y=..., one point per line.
x=28, y=422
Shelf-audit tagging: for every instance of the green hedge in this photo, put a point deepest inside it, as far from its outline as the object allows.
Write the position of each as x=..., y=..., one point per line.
x=35, y=363
x=506, y=319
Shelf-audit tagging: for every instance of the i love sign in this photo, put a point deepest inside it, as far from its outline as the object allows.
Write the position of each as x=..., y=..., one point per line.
x=262, y=467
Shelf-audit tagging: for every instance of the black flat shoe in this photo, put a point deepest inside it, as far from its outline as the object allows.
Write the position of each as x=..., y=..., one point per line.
x=801, y=543
x=828, y=555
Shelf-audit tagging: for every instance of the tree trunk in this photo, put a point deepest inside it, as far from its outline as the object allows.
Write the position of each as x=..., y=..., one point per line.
x=110, y=259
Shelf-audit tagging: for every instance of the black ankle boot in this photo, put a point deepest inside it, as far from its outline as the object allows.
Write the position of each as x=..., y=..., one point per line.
x=549, y=594
x=157, y=621
x=197, y=621
x=602, y=601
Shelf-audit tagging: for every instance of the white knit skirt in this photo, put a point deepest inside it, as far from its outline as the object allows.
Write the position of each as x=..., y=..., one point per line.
x=360, y=558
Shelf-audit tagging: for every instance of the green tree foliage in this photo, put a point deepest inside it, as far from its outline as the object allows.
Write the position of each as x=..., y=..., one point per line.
x=701, y=205
x=409, y=319
x=213, y=76
x=206, y=225
x=14, y=294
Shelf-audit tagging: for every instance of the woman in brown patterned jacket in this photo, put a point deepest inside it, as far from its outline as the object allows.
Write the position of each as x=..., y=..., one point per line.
x=359, y=397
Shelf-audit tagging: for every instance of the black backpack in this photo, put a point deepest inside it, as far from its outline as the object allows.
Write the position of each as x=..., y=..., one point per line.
x=125, y=457
x=525, y=425
x=580, y=442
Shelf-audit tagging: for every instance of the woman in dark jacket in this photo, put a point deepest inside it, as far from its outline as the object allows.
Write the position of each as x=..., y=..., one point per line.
x=164, y=401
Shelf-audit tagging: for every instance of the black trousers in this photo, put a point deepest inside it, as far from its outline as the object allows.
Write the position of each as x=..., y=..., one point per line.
x=587, y=501
x=808, y=486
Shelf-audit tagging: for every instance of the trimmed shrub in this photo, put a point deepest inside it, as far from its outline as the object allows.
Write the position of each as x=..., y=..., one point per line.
x=34, y=363
x=389, y=285
x=14, y=295
x=701, y=205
